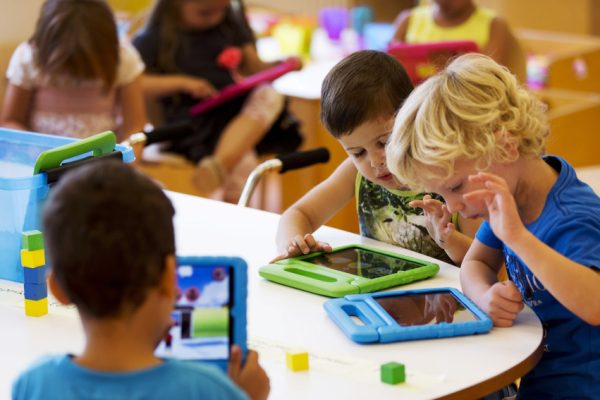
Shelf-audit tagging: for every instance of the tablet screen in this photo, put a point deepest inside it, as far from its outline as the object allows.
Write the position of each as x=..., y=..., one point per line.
x=201, y=318
x=361, y=262
x=425, y=308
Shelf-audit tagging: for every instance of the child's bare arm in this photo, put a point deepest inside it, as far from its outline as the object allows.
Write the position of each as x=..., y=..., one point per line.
x=133, y=108
x=401, y=26
x=467, y=228
x=457, y=246
x=156, y=85
x=498, y=46
x=252, y=63
x=17, y=102
x=478, y=277
x=313, y=210
x=574, y=285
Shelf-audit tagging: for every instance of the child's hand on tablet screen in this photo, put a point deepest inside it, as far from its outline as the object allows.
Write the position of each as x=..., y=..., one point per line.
x=300, y=245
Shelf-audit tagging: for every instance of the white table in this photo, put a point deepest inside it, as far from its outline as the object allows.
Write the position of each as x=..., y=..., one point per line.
x=282, y=318
x=306, y=83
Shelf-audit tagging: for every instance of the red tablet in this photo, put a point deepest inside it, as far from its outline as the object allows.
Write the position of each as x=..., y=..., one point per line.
x=425, y=59
x=245, y=85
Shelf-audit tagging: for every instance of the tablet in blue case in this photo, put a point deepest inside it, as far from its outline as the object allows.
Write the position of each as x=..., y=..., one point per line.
x=210, y=310
x=407, y=315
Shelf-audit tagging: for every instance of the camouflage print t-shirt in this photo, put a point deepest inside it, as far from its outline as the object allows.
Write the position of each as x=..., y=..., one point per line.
x=384, y=215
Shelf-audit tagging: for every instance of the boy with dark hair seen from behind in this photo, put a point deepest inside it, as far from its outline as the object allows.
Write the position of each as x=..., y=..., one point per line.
x=110, y=239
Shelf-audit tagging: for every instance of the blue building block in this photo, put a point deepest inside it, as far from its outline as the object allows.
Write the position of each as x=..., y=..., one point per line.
x=35, y=275
x=35, y=291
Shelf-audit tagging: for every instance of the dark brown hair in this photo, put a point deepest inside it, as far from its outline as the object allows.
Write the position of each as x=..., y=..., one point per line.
x=108, y=230
x=362, y=87
x=165, y=19
x=77, y=39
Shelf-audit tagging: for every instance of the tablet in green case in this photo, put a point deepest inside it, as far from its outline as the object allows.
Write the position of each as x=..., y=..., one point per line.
x=347, y=270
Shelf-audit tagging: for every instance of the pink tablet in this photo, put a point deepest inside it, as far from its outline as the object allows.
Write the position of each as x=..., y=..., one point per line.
x=245, y=85
x=425, y=59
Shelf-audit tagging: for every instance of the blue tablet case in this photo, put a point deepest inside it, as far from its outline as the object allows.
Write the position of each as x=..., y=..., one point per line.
x=238, y=278
x=380, y=327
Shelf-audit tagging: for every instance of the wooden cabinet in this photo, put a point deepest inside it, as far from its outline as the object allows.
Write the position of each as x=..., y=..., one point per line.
x=573, y=61
x=573, y=16
x=574, y=119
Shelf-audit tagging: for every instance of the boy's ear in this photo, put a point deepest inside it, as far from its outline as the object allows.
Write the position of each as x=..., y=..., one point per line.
x=57, y=290
x=509, y=144
x=168, y=281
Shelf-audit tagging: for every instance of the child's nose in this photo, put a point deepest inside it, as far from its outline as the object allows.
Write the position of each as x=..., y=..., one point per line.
x=378, y=160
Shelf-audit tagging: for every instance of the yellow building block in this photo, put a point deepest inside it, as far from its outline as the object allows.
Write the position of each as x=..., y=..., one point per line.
x=296, y=360
x=33, y=259
x=36, y=308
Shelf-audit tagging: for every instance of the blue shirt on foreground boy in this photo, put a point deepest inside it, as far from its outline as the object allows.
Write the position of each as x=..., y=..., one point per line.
x=110, y=239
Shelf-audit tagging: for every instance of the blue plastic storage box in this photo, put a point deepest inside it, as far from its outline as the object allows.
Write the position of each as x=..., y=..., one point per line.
x=23, y=192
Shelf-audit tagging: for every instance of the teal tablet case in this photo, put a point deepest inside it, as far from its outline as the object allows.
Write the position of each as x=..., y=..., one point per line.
x=303, y=273
x=378, y=326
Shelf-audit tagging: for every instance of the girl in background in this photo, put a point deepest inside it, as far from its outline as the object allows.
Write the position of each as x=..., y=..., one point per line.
x=192, y=49
x=448, y=20
x=73, y=77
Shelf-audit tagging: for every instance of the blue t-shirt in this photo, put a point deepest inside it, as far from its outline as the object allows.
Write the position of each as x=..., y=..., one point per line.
x=570, y=224
x=58, y=377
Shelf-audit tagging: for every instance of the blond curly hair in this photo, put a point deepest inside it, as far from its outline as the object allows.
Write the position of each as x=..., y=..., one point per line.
x=470, y=109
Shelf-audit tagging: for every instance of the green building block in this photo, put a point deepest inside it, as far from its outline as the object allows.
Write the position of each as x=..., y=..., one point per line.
x=33, y=240
x=392, y=373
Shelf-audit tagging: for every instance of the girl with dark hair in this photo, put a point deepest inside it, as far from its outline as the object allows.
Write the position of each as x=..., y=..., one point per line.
x=192, y=49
